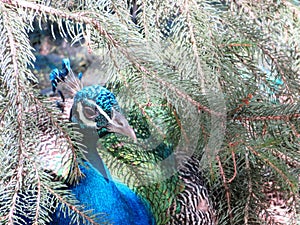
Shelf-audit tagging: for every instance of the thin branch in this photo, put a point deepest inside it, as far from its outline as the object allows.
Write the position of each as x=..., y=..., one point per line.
x=246, y=9
x=194, y=43
x=247, y=206
x=182, y=94
x=38, y=103
x=226, y=189
x=278, y=66
x=234, y=166
x=245, y=102
x=180, y=125
x=273, y=166
x=20, y=110
x=288, y=160
x=38, y=200
x=275, y=117
x=294, y=130
x=292, y=7
x=78, y=17
x=145, y=27
x=70, y=206
x=232, y=45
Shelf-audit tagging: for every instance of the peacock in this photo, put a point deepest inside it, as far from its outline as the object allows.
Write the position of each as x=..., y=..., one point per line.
x=122, y=181
x=96, y=112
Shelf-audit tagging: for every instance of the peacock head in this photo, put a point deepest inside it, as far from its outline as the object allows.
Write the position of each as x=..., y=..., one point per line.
x=95, y=107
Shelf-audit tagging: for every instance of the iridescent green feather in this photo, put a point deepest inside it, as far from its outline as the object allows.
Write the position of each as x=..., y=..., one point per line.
x=138, y=164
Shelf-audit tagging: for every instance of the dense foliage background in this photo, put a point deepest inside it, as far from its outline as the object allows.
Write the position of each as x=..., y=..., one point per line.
x=228, y=70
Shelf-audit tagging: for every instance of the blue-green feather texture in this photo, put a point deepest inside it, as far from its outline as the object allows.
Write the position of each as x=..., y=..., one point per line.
x=171, y=195
x=96, y=190
x=112, y=202
x=104, y=99
x=138, y=166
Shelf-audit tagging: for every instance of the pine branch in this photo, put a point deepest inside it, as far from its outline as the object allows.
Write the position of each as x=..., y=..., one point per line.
x=167, y=53
x=247, y=205
x=72, y=207
x=271, y=164
x=269, y=118
x=80, y=17
x=227, y=190
x=17, y=102
x=38, y=200
x=186, y=10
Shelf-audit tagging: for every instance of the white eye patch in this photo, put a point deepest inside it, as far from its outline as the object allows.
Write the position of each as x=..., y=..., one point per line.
x=101, y=112
x=82, y=117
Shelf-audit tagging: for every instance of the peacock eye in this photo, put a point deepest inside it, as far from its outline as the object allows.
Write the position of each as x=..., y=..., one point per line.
x=120, y=123
x=90, y=112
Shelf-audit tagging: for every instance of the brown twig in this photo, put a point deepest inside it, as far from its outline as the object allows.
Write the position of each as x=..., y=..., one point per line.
x=275, y=117
x=180, y=125
x=38, y=200
x=226, y=188
x=271, y=165
x=234, y=166
x=247, y=206
x=236, y=45
x=245, y=101
x=70, y=206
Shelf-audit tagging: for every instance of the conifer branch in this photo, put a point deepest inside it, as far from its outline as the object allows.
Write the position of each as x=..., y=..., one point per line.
x=38, y=196
x=244, y=7
x=227, y=190
x=186, y=10
x=77, y=17
x=72, y=207
x=81, y=17
x=271, y=164
x=266, y=118
x=292, y=7
x=278, y=66
x=287, y=159
x=181, y=94
x=247, y=205
x=16, y=101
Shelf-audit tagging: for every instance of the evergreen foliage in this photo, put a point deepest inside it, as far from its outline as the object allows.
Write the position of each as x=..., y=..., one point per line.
x=218, y=80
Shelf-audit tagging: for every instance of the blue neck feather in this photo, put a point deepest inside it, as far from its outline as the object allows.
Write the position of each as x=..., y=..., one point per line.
x=112, y=201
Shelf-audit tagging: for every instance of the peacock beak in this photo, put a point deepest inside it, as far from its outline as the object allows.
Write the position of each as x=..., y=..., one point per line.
x=117, y=123
x=129, y=132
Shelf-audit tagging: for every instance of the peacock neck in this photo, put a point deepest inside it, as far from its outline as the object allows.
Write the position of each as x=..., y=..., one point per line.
x=89, y=141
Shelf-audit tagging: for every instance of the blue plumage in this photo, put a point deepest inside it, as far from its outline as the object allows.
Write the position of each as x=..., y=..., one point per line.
x=59, y=75
x=112, y=201
x=103, y=98
x=80, y=76
x=96, y=111
x=100, y=95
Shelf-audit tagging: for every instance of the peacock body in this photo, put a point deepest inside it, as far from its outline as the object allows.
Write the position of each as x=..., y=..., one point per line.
x=97, y=113
x=149, y=196
x=178, y=199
